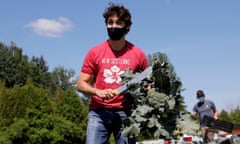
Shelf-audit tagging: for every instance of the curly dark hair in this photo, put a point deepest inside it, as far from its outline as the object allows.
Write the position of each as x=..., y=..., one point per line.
x=122, y=13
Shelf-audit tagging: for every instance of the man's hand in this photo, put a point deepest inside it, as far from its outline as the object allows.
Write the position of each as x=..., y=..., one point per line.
x=105, y=94
x=194, y=115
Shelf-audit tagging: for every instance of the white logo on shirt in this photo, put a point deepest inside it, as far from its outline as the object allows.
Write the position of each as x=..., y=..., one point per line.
x=112, y=75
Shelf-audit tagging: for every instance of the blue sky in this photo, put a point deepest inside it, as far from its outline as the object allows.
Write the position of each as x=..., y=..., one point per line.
x=201, y=38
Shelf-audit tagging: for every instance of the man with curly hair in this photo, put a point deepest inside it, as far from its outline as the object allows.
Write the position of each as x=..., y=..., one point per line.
x=103, y=65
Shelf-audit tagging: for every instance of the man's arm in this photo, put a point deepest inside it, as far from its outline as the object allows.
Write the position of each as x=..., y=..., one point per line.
x=194, y=115
x=83, y=85
x=215, y=113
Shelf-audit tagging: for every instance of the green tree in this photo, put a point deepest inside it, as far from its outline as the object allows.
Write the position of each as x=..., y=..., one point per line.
x=71, y=107
x=224, y=115
x=39, y=72
x=38, y=106
x=232, y=116
x=15, y=69
x=28, y=115
x=63, y=78
x=13, y=65
x=236, y=116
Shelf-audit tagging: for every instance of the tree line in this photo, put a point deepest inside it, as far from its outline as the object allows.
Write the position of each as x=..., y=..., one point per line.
x=38, y=106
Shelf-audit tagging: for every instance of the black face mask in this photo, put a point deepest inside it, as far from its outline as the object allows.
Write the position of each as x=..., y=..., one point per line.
x=116, y=33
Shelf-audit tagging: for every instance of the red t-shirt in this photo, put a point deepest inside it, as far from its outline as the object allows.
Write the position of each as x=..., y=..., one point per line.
x=106, y=65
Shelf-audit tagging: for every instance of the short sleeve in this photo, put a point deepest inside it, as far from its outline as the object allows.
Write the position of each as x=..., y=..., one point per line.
x=89, y=62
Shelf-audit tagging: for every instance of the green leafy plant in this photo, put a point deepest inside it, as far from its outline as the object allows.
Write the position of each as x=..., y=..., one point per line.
x=159, y=108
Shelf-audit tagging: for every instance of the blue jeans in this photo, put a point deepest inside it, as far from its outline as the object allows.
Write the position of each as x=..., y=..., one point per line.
x=102, y=123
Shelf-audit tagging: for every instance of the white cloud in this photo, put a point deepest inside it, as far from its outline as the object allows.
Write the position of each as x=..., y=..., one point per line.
x=50, y=27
